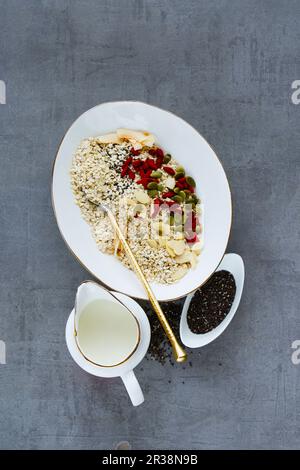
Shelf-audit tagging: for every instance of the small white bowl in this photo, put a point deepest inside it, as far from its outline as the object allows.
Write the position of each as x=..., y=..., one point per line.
x=235, y=265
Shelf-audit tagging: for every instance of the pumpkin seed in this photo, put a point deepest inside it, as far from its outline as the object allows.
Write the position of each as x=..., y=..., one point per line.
x=152, y=192
x=182, y=195
x=152, y=185
x=160, y=187
x=167, y=158
x=156, y=174
x=177, y=198
x=190, y=181
x=179, y=174
x=176, y=190
x=180, y=169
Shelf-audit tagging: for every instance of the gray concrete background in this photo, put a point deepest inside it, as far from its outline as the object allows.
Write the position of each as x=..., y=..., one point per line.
x=226, y=67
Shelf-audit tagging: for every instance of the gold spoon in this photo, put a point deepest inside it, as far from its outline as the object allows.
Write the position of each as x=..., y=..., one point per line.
x=178, y=351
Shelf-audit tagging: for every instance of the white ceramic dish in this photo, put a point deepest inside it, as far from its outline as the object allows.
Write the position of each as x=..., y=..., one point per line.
x=125, y=370
x=190, y=149
x=234, y=264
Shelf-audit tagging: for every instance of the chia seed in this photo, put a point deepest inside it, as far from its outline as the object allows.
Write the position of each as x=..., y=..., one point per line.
x=211, y=303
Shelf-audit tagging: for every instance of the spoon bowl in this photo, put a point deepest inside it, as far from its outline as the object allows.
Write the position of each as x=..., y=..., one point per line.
x=235, y=265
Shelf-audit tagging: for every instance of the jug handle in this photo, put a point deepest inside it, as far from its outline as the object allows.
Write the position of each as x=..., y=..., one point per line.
x=133, y=388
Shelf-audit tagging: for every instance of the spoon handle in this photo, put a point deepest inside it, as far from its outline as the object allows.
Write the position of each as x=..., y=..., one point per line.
x=179, y=353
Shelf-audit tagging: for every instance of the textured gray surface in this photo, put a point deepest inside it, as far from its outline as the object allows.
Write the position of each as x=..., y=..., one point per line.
x=227, y=68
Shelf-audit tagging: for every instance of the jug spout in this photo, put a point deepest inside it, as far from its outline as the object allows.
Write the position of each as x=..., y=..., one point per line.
x=86, y=293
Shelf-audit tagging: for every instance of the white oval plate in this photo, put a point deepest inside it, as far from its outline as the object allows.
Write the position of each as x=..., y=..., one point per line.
x=190, y=149
x=235, y=265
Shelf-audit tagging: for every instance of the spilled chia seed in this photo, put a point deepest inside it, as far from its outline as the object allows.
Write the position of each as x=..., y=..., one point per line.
x=208, y=308
x=160, y=349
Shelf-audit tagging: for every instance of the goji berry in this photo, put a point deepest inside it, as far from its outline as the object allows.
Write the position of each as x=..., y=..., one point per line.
x=131, y=174
x=169, y=170
x=136, y=163
x=194, y=239
x=135, y=152
x=168, y=194
x=124, y=170
x=159, y=153
x=158, y=201
x=128, y=161
x=151, y=163
x=159, y=162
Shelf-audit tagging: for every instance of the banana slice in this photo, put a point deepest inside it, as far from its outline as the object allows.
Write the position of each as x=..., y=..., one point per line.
x=196, y=248
x=142, y=197
x=193, y=260
x=137, y=138
x=130, y=134
x=149, y=140
x=170, y=251
x=178, y=246
x=109, y=139
x=130, y=202
x=184, y=258
x=162, y=242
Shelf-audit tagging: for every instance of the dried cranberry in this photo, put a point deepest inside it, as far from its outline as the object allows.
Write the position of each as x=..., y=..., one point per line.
x=135, y=152
x=152, y=151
